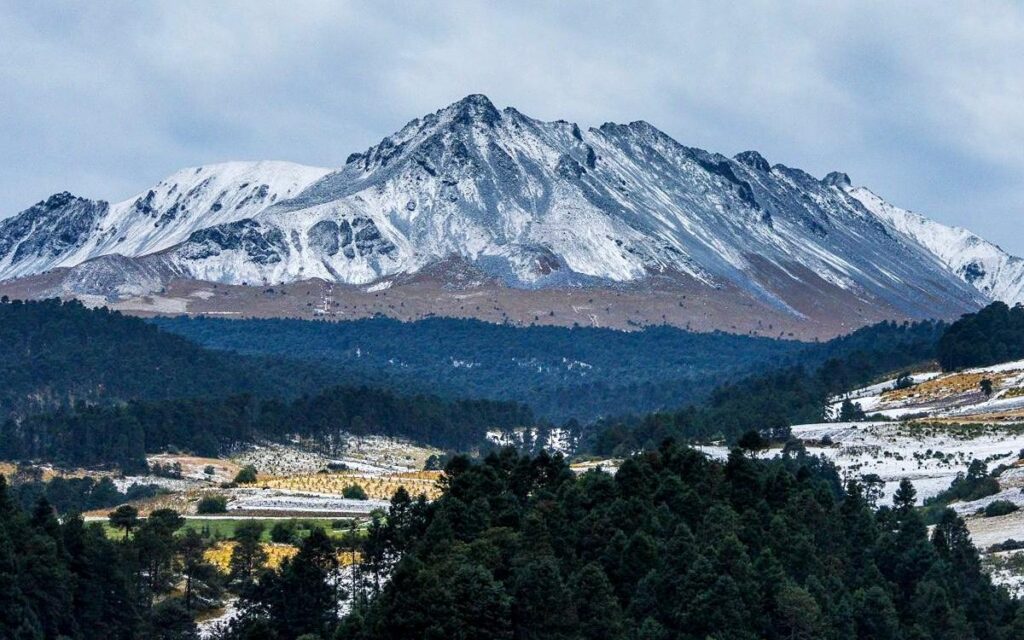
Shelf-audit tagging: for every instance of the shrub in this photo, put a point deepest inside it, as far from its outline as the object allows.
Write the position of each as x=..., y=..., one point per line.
x=1008, y=545
x=974, y=485
x=904, y=381
x=354, y=492
x=169, y=470
x=246, y=475
x=986, y=386
x=212, y=504
x=283, y=532
x=1000, y=508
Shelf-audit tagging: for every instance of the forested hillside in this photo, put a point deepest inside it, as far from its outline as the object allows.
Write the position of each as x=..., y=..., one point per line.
x=770, y=402
x=53, y=354
x=121, y=436
x=91, y=387
x=993, y=335
x=561, y=373
x=673, y=546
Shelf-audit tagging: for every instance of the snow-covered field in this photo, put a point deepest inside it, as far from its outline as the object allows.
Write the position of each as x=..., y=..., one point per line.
x=947, y=420
x=929, y=455
x=946, y=396
x=1004, y=569
x=269, y=500
x=370, y=454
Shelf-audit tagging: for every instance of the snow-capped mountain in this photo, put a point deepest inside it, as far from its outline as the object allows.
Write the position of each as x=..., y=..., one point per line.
x=997, y=274
x=538, y=204
x=529, y=204
x=66, y=230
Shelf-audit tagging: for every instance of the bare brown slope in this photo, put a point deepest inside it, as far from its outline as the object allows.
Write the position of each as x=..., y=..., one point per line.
x=816, y=308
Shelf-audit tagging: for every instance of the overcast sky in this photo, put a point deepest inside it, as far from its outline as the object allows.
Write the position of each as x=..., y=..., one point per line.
x=921, y=102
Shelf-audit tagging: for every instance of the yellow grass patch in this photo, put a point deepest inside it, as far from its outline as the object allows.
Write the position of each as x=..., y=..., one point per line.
x=945, y=386
x=8, y=469
x=991, y=417
x=180, y=501
x=195, y=466
x=376, y=487
x=219, y=555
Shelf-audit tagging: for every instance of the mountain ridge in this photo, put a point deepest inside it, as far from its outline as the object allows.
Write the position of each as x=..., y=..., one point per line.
x=531, y=205
x=150, y=221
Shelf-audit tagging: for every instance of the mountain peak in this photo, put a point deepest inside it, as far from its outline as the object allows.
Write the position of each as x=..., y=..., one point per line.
x=58, y=200
x=754, y=160
x=476, y=99
x=475, y=107
x=532, y=204
x=837, y=179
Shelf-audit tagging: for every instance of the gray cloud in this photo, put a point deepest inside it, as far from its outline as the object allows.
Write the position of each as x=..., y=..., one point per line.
x=923, y=102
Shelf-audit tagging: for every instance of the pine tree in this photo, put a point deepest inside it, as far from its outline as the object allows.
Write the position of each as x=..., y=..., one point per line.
x=125, y=517
x=542, y=607
x=797, y=612
x=248, y=556
x=597, y=608
x=905, y=497
x=191, y=548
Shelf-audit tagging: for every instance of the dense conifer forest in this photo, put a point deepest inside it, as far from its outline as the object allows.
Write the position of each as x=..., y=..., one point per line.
x=672, y=546
x=560, y=373
x=54, y=354
x=769, y=403
x=122, y=435
x=993, y=335
x=96, y=406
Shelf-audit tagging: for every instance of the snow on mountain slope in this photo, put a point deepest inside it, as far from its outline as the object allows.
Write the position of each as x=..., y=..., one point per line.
x=66, y=231
x=997, y=274
x=546, y=203
x=39, y=237
x=528, y=204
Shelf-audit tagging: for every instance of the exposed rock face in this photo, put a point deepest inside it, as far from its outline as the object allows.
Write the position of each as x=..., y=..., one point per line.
x=47, y=231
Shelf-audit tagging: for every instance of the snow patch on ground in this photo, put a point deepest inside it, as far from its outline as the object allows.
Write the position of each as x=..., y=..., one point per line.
x=557, y=440
x=269, y=500
x=952, y=395
x=929, y=455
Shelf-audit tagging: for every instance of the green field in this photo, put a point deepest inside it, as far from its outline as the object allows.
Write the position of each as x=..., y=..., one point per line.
x=225, y=528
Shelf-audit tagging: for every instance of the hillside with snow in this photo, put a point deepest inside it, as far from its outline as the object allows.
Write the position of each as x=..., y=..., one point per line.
x=935, y=425
x=520, y=204
x=65, y=230
x=983, y=264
